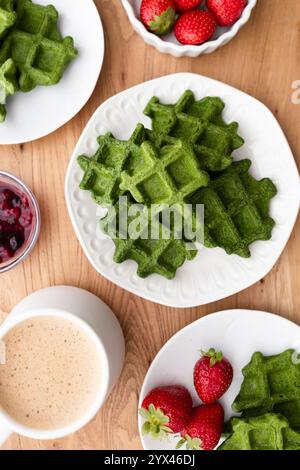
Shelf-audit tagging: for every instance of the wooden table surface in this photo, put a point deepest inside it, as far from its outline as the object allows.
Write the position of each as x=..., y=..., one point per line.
x=263, y=60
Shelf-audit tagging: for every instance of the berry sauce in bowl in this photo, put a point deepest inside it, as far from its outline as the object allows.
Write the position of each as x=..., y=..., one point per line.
x=19, y=221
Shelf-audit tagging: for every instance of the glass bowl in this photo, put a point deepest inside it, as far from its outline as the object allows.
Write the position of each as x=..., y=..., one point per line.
x=31, y=232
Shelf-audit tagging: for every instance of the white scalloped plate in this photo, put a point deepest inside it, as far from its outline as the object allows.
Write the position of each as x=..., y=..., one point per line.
x=237, y=333
x=168, y=44
x=213, y=275
x=33, y=115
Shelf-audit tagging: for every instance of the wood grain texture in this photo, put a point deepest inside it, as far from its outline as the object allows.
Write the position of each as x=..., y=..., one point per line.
x=263, y=60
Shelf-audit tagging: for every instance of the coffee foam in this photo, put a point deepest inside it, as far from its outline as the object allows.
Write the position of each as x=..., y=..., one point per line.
x=52, y=373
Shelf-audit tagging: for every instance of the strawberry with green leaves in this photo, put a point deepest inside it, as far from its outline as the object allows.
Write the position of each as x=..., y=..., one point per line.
x=213, y=375
x=204, y=430
x=166, y=410
x=158, y=16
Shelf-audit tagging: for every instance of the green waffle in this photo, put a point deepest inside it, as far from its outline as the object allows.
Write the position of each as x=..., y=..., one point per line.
x=271, y=384
x=267, y=432
x=200, y=123
x=36, y=46
x=8, y=85
x=102, y=172
x=185, y=160
x=163, y=255
x=7, y=16
x=168, y=177
x=236, y=208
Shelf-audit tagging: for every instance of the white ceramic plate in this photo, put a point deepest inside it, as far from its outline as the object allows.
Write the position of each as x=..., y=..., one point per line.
x=45, y=109
x=237, y=333
x=169, y=45
x=213, y=275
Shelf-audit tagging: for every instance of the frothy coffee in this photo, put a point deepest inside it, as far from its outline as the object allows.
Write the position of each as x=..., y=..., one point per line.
x=52, y=373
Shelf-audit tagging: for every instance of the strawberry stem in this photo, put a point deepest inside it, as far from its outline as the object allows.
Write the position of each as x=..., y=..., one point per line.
x=155, y=422
x=215, y=356
x=163, y=23
x=191, y=443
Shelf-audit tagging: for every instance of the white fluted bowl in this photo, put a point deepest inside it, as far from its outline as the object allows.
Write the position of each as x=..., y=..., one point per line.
x=169, y=45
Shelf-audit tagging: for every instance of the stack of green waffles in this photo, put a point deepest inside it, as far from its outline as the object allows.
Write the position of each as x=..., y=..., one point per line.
x=32, y=50
x=269, y=401
x=185, y=159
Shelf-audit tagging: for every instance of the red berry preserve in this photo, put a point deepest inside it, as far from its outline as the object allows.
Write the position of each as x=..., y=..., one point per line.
x=16, y=220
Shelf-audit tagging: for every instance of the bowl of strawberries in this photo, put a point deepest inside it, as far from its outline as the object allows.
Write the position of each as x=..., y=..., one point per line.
x=188, y=27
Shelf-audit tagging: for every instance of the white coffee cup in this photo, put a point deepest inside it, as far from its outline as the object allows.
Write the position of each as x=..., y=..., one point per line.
x=97, y=321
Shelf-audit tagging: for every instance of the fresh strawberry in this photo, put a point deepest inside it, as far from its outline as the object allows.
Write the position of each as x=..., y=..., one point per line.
x=158, y=16
x=204, y=430
x=195, y=27
x=226, y=12
x=186, y=5
x=213, y=375
x=166, y=410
